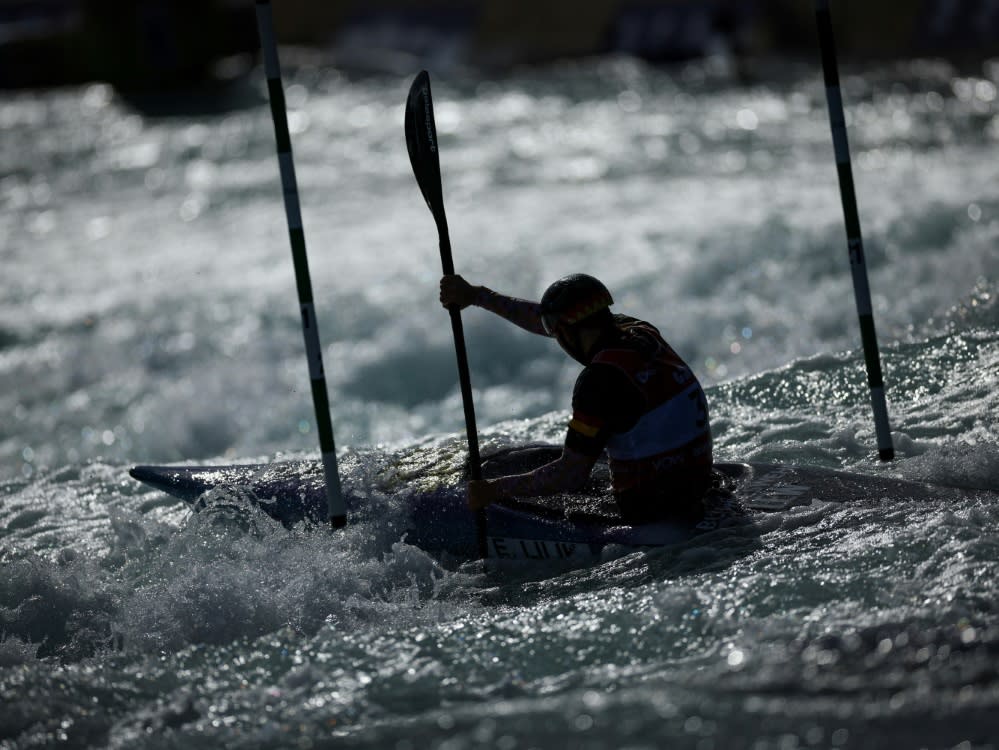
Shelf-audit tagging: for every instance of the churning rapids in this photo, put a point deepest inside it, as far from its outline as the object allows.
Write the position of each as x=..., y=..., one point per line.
x=148, y=314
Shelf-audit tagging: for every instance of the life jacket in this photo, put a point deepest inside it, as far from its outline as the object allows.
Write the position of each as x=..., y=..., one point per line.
x=668, y=451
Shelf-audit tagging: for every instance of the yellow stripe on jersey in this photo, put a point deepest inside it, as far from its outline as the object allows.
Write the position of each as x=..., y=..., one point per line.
x=582, y=428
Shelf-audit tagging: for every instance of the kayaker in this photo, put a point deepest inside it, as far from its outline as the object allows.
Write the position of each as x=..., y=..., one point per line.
x=636, y=399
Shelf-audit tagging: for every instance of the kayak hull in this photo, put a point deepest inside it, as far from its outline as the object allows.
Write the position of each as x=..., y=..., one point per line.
x=570, y=527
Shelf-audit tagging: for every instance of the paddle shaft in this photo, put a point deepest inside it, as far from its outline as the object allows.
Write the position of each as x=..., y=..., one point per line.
x=855, y=244
x=464, y=377
x=465, y=380
x=337, y=510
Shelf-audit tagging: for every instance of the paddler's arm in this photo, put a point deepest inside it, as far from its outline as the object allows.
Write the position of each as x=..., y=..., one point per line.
x=599, y=389
x=524, y=313
x=565, y=474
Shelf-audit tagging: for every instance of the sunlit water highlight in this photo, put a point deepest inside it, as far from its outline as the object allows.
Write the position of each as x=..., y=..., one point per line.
x=147, y=314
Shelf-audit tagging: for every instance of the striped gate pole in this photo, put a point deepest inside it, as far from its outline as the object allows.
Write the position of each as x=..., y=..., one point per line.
x=336, y=507
x=855, y=244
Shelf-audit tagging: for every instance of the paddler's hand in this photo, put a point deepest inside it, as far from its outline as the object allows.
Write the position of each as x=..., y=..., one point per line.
x=481, y=494
x=457, y=292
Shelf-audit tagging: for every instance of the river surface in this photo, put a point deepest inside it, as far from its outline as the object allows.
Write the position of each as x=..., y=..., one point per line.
x=148, y=314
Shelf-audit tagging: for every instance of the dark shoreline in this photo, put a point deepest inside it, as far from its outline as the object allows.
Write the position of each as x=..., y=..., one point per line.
x=155, y=45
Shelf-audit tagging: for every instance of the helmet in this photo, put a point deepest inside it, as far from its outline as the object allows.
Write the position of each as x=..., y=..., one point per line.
x=572, y=299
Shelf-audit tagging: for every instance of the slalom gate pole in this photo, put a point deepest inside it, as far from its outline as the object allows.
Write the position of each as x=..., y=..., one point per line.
x=337, y=510
x=855, y=244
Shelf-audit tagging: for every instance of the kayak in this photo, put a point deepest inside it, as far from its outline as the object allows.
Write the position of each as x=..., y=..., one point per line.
x=573, y=528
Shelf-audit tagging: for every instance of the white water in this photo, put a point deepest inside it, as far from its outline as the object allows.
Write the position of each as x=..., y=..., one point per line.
x=148, y=314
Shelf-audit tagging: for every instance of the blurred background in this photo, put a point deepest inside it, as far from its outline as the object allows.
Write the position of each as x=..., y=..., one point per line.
x=150, y=44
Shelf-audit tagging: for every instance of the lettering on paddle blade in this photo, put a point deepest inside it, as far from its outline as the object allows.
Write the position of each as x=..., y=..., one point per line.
x=428, y=118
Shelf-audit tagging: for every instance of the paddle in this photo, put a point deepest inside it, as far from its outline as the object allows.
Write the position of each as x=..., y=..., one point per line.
x=421, y=141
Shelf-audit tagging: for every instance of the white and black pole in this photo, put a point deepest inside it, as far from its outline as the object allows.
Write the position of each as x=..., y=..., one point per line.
x=336, y=507
x=855, y=244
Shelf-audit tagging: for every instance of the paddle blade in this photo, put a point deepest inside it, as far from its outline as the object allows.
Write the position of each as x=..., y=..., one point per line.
x=421, y=141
